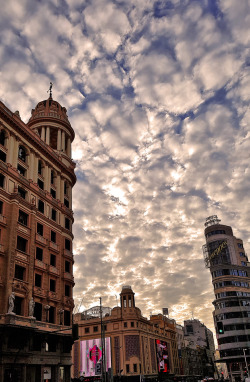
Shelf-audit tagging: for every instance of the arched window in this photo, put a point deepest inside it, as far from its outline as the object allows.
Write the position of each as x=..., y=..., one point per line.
x=2, y=137
x=22, y=153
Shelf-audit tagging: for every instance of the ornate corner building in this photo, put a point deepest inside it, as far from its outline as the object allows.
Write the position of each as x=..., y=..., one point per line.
x=36, y=260
x=229, y=267
x=133, y=345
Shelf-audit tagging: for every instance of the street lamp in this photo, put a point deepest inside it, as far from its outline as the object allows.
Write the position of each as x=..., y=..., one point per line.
x=244, y=351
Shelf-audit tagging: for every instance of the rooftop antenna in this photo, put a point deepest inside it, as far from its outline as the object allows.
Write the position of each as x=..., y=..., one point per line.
x=192, y=315
x=50, y=89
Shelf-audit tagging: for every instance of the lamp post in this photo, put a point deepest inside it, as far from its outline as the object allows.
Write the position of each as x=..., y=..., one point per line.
x=244, y=351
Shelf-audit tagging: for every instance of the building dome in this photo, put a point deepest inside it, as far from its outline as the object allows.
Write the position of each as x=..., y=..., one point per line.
x=49, y=119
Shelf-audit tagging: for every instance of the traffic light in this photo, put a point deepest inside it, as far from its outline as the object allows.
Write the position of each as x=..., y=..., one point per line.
x=220, y=327
x=75, y=335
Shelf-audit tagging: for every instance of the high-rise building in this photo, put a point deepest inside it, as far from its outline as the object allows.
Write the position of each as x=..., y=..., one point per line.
x=36, y=261
x=225, y=256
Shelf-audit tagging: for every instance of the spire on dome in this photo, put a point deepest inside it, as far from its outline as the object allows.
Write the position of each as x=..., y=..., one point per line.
x=50, y=89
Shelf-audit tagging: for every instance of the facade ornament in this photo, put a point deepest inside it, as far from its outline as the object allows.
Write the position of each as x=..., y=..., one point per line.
x=31, y=307
x=11, y=303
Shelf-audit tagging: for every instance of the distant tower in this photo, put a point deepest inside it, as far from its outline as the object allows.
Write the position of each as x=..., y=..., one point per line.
x=225, y=256
x=127, y=297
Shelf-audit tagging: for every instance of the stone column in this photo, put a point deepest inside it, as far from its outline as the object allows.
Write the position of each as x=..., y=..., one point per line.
x=31, y=166
x=15, y=152
x=63, y=141
x=48, y=135
x=59, y=140
x=35, y=169
x=43, y=134
x=69, y=148
x=46, y=178
x=10, y=145
x=62, y=191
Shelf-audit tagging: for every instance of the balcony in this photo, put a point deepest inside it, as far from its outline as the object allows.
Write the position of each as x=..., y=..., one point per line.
x=54, y=270
x=67, y=253
x=53, y=245
x=68, y=276
x=40, y=264
x=40, y=239
x=2, y=219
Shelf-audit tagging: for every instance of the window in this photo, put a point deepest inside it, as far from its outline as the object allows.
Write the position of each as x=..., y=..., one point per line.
x=240, y=245
x=66, y=188
x=38, y=280
x=1, y=207
x=39, y=229
x=21, y=192
x=2, y=178
x=21, y=170
x=243, y=263
x=53, y=193
x=127, y=368
x=124, y=302
x=67, y=223
x=22, y=153
x=52, y=320
x=86, y=330
x=67, y=266
x=40, y=167
x=41, y=206
x=125, y=324
x=40, y=184
x=19, y=272
x=105, y=327
x=39, y=253
x=2, y=137
x=67, y=244
x=21, y=244
x=18, y=305
x=67, y=290
x=132, y=324
x=52, y=285
x=52, y=260
x=52, y=177
x=53, y=214
x=23, y=218
x=2, y=156
x=95, y=329
x=242, y=254
x=135, y=368
x=66, y=203
x=53, y=236
x=38, y=311
x=67, y=318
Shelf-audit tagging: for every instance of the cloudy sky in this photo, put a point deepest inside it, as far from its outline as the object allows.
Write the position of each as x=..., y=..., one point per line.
x=158, y=95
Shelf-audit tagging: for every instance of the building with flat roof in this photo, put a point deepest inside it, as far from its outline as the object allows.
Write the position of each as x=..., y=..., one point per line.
x=36, y=259
x=225, y=256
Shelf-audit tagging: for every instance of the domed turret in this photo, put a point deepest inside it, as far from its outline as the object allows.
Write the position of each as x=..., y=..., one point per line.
x=127, y=297
x=49, y=119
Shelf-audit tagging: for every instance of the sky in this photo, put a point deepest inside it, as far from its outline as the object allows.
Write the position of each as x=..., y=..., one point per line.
x=158, y=95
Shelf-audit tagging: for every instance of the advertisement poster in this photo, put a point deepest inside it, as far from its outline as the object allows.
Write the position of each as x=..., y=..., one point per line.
x=162, y=356
x=91, y=356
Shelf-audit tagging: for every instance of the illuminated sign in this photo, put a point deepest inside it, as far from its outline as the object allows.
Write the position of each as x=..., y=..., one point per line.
x=218, y=249
x=91, y=356
x=162, y=356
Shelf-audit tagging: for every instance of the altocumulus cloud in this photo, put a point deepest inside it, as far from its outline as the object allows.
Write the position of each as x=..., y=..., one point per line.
x=157, y=92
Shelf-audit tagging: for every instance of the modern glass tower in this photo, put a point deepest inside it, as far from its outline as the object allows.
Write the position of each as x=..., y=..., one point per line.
x=225, y=256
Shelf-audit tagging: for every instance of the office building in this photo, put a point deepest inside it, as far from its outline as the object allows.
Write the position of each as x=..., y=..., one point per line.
x=36, y=261
x=228, y=263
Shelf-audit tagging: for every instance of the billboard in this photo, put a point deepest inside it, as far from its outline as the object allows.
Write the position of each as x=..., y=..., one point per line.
x=91, y=356
x=162, y=356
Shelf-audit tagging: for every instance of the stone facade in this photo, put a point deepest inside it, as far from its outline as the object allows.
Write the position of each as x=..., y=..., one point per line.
x=36, y=260
x=133, y=340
